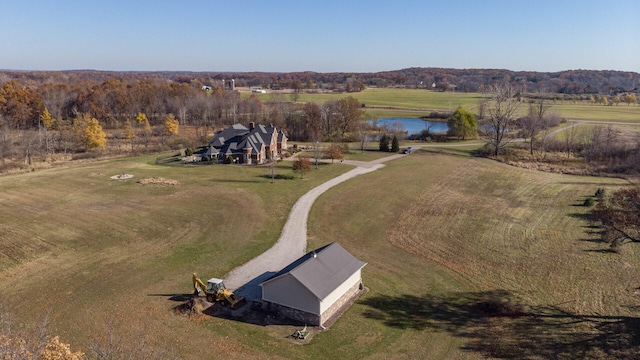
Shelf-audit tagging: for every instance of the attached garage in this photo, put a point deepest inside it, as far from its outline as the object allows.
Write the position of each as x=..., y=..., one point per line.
x=315, y=287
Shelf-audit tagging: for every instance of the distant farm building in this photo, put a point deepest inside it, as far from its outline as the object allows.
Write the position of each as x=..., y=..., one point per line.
x=316, y=287
x=253, y=145
x=229, y=84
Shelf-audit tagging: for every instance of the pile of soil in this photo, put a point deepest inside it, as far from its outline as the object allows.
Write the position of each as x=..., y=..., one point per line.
x=192, y=308
x=158, y=181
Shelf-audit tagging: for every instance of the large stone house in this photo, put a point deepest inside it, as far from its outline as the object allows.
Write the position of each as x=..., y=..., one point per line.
x=316, y=287
x=253, y=145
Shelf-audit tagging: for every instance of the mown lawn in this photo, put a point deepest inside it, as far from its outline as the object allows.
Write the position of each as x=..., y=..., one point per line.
x=441, y=231
x=500, y=234
x=102, y=255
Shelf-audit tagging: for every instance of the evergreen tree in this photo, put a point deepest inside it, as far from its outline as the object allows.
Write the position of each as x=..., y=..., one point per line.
x=395, y=144
x=384, y=143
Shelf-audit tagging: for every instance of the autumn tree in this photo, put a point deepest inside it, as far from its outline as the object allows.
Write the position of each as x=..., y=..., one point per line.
x=313, y=115
x=502, y=111
x=619, y=216
x=348, y=112
x=171, y=125
x=57, y=350
x=302, y=165
x=630, y=98
x=146, y=133
x=88, y=132
x=616, y=100
x=128, y=133
x=19, y=104
x=4, y=140
x=48, y=121
x=334, y=152
x=462, y=124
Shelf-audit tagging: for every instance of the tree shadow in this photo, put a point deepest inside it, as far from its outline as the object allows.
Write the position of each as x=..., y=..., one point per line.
x=593, y=232
x=494, y=325
x=278, y=177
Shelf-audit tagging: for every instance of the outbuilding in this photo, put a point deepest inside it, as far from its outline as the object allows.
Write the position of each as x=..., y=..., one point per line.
x=315, y=287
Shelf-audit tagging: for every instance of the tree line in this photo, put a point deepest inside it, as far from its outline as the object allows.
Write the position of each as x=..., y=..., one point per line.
x=562, y=83
x=41, y=119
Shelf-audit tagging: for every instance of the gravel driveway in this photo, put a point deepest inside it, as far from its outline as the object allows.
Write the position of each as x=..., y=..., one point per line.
x=292, y=244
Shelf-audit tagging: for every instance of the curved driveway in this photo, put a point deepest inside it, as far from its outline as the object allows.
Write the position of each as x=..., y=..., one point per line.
x=292, y=243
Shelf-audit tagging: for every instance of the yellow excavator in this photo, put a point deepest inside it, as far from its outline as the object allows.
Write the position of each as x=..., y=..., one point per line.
x=216, y=291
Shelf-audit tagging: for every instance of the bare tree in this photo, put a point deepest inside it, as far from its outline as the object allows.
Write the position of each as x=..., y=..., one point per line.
x=317, y=152
x=534, y=121
x=313, y=115
x=502, y=111
x=550, y=120
x=348, y=113
x=363, y=132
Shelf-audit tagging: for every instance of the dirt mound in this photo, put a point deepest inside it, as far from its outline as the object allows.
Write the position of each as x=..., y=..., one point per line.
x=193, y=308
x=158, y=181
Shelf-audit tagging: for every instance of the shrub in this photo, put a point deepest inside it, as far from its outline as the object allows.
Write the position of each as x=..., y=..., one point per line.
x=589, y=202
x=188, y=152
x=600, y=193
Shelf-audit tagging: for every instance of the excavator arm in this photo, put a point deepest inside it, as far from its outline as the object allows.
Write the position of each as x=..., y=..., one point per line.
x=221, y=295
x=198, y=285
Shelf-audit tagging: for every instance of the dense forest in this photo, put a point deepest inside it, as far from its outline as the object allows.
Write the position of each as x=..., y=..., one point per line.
x=606, y=82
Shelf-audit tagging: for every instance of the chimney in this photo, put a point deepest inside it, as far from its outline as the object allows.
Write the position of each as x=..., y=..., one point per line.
x=252, y=125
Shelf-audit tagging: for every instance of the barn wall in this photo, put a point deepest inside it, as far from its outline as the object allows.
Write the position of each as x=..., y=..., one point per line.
x=287, y=291
x=336, y=294
x=314, y=319
x=339, y=304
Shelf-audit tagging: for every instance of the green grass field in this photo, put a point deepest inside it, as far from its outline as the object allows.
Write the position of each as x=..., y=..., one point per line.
x=387, y=102
x=441, y=231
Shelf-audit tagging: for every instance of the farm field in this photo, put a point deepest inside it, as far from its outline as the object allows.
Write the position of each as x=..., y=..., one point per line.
x=101, y=255
x=387, y=102
x=501, y=234
x=440, y=231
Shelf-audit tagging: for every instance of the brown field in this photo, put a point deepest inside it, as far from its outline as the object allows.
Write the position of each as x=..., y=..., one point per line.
x=467, y=258
x=498, y=233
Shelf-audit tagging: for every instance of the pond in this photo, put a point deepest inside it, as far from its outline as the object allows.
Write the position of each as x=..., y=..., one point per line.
x=415, y=125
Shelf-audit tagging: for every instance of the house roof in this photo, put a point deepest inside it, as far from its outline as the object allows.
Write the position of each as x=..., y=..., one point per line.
x=322, y=270
x=237, y=137
x=228, y=134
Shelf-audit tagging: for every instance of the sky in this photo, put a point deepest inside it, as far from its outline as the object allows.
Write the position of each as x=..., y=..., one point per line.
x=320, y=36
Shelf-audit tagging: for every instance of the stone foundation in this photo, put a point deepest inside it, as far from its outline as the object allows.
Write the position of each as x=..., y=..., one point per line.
x=304, y=317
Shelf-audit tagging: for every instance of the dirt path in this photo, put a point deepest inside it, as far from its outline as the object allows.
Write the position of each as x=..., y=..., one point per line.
x=292, y=244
